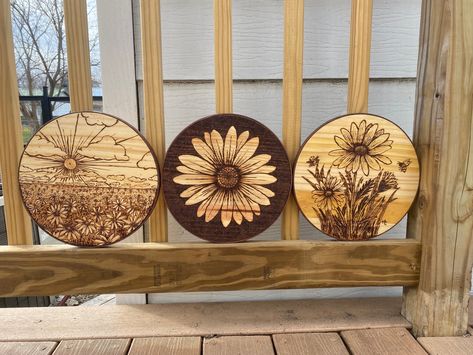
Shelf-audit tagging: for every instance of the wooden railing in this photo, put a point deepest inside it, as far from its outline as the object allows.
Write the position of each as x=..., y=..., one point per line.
x=434, y=263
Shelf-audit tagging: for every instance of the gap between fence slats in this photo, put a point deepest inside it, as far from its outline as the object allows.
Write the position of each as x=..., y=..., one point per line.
x=17, y=221
x=223, y=56
x=359, y=59
x=78, y=55
x=154, y=104
x=292, y=101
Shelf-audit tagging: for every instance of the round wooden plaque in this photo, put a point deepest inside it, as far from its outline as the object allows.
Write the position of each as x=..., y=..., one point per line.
x=356, y=176
x=88, y=179
x=226, y=178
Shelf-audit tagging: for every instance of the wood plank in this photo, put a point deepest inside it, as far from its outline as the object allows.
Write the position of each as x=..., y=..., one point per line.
x=395, y=341
x=292, y=101
x=223, y=56
x=166, y=346
x=18, y=223
x=27, y=348
x=442, y=217
x=93, y=346
x=78, y=55
x=447, y=345
x=233, y=345
x=122, y=268
x=200, y=319
x=154, y=103
x=309, y=343
x=360, y=49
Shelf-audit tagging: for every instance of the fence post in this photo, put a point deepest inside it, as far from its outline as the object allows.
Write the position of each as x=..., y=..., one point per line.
x=442, y=217
x=46, y=111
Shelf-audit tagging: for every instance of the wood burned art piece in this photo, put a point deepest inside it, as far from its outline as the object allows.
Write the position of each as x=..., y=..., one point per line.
x=226, y=178
x=356, y=176
x=88, y=179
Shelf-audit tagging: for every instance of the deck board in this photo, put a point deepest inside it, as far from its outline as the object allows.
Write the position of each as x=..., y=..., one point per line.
x=94, y=346
x=199, y=319
x=395, y=341
x=239, y=345
x=309, y=343
x=27, y=348
x=166, y=346
x=447, y=345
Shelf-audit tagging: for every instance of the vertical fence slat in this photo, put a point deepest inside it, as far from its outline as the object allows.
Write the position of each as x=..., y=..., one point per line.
x=154, y=103
x=223, y=55
x=78, y=54
x=292, y=100
x=18, y=222
x=360, y=48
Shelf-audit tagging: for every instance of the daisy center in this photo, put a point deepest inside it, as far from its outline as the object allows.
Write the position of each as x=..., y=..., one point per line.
x=228, y=177
x=328, y=193
x=361, y=150
x=70, y=164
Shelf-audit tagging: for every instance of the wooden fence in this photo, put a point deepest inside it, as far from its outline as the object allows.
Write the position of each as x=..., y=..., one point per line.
x=433, y=263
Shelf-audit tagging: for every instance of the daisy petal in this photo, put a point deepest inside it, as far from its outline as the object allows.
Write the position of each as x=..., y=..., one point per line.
x=383, y=159
x=203, y=150
x=337, y=152
x=372, y=162
x=193, y=179
x=354, y=132
x=264, y=190
x=214, y=206
x=203, y=207
x=364, y=166
x=379, y=149
x=242, y=138
x=186, y=170
x=253, y=194
x=369, y=134
x=265, y=169
x=246, y=151
x=344, y=161
x=356, y=163
x=243, y=206
x=346, y=135
x=227, y=209
x=197, y=164
x=254, y=163
x=201, y=195
x=378, y=141
x=238, y=217
x=230, y=145
x=190, y=191
x=258, y=179
x=361, y=131
x=217, y=145
x=341, y=143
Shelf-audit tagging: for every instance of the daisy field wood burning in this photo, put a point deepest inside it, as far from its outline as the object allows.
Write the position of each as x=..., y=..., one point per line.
x=88, y=179
x=356, y=176
x=226, y=178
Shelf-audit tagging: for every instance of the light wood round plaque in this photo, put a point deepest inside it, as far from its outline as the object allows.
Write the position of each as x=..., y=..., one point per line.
x=356, y=176
x=226, y=178
x=88, y=179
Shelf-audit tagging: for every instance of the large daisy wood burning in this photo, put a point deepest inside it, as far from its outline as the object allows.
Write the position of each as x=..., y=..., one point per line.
x=356, y=177
x=226, y=178
x=88, y=179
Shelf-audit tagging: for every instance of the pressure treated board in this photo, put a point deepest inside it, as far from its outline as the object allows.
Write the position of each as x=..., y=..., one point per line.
x=166, y=346
x=27, y=348
x=161, y=267
x=309, y=343
x=88, y=179
x=93, y=346
x=447, y=345
x=395, y=341
x=226, y=178
x=258, y=27
x=200, y=319
x=236, y=345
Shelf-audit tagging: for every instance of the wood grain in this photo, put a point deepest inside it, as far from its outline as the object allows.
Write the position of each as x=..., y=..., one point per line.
x=395, y=341
x=442, y=216
x=309, y=343
x=27, y=348
x=93, y=346
x=292, y=101
x=226, y=178
x=127, y=268
x=18, y=223
x=447, y=345
x=166, y=346
x=356, y=176
x=78, y=55
x=223, y=56
x=200, y=319
x=154, y=103
x=257, y=345
x=359, y=60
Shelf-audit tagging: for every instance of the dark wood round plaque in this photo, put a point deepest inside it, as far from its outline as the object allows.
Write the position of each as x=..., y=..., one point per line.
x=356, y=176
x=88, y=179
x=226, y=178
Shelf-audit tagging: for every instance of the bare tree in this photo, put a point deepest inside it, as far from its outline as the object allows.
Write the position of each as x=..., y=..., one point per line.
x=40, y=48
